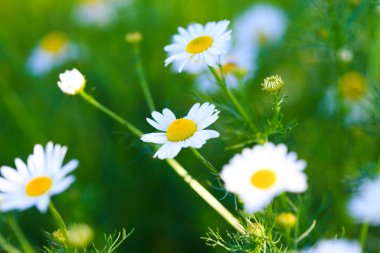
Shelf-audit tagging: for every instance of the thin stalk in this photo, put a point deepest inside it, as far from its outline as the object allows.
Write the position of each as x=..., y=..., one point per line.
x=110, y=113
x=142, y=78
x=206, y=162
x=5, y=245
x=58, y=219
x=206, y=195
x=25, y=245
x=231, y=96
x=195, y=185
x=363, y=235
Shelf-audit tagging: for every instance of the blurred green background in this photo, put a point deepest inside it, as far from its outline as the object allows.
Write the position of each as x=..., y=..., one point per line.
x=118, y=183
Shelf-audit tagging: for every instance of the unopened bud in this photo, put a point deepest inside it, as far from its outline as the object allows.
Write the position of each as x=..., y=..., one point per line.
x=257, y=230
x=272, y=84
x=58, y=235
x=286, y=220
x=133, y=38
x=80, y=235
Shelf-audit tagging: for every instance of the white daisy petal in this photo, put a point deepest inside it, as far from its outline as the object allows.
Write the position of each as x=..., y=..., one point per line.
x=184, y=132
x=192, y=45
x=33, y=183
x=259, y=174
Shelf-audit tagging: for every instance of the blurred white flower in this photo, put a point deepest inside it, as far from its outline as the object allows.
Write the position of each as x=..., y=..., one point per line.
x=53, y=50
x=345, y=55
x=33, y=184
x=71, y=82
x=334, y=246
x=261, y=24
x=198, y=44
x=233, y=71
x=365, y=205
x=188, y=131
x=259, y=174
x=95, y=12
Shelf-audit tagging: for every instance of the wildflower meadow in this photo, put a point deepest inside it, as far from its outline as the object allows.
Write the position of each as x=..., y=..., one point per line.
x=190, y=126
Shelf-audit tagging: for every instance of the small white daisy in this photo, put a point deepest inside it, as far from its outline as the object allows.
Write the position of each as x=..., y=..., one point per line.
x=188, y=131
x=71, y=82
x=259, y=174
x=262, y=24
x=33, y=184
x=53, y=50
x=335, y=246
x=94, y=12
x=199, y=44
x=365, y=205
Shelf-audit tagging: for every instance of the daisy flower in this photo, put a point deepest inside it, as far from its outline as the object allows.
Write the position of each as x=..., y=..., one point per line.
x=95, y=12
x=260, y=25
x=259, y=174
x=336, y=246
x=53, y=50
x=34, y=182
x=365, y=205
x=199, y=44
x=71, y=82
x=188, y=131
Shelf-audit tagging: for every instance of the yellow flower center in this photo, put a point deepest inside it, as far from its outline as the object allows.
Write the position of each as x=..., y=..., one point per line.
x=38, y=186
x=54, y=42
x=353, y=85
x=181, y=129
x=200, y=44
x=263, y=179
x=263, y=38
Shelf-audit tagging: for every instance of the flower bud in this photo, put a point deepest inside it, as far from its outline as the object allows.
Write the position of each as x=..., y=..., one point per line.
x=71, y=82
x=272, y=84
x=133, y=38
x=256, y=229
x=58, y=235
x=286, y=220
x=80, y=235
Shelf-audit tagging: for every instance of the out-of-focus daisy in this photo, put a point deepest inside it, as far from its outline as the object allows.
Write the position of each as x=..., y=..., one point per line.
x=335, y=246
x=53, y=50
x=71, y=82
x=365, y=205
x=352, y=85
x=95, y=12
x=259, y=174
x=34, y=182
x=188, y=131
x=199, y=44
x=233, y=70
x=261, y=24
x=345, y=55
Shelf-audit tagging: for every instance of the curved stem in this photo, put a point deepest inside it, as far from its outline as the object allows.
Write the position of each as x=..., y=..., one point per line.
x=195, y=185
x=142, y=79
x=25, y=245
x=58, y=219
x=204, y=161
x=231, y=96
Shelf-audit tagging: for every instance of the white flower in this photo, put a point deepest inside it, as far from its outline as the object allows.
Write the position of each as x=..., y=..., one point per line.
x=94, y=12
x=188, y=131
x=33, y=184
x=53, y=50
x=335, y=246
x=259, y=174
x=365, y=205
x=262, y=24
x=199, y=44
x=71, y=82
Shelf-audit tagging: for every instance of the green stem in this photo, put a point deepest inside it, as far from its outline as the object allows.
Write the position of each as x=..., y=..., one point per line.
x=195, y=185
x=204, y=161
x=363, y=235
x=232, y=97
x=58, y=219
x=25, y=245
x=142, y=79
x=110, y=113
x=5, y=245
